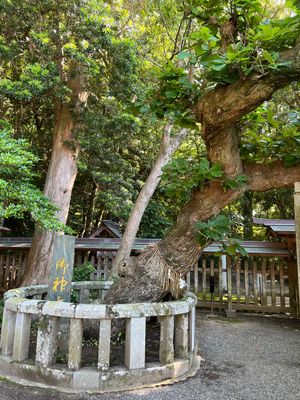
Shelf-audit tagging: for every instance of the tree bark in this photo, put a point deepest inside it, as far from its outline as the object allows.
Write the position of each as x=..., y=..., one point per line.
x=59, y=183
x=58, y=188
x=247, y=212
x=168, y=146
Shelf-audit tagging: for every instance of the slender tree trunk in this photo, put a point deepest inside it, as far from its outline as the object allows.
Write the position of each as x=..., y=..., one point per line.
x=58, y=188
x=60, y=179
x=247, y=212
x=168, y=146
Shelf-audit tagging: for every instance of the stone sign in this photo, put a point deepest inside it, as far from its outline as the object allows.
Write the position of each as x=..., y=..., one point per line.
x=61, y=271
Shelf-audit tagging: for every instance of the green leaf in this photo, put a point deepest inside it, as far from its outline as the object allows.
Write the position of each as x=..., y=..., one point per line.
x=183, y=55
x=267, y=56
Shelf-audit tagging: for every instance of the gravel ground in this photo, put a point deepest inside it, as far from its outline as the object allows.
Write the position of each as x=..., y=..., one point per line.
x=249, y=358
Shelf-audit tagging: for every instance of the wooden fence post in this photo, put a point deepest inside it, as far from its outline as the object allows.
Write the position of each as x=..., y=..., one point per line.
x=296, y=277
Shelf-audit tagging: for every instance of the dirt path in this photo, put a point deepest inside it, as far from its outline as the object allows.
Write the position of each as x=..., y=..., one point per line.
x=251, y=358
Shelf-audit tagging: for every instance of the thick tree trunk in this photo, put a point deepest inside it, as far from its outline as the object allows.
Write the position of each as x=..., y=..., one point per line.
x=168, y=146
x=58, y=188
x=157, y=271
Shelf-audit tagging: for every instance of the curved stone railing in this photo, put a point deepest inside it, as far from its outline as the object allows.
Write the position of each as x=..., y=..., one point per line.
x=25, y=306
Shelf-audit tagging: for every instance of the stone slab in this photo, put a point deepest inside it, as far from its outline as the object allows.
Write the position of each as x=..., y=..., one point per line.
x=122, y=379
x=59, y=309
x=31, y=306
x=90, y=311
x=61, y=270
x=181, y=367
x=13, y=303
x=86, y=379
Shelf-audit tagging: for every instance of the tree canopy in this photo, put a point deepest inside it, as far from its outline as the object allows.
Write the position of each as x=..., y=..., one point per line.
x=227, y=70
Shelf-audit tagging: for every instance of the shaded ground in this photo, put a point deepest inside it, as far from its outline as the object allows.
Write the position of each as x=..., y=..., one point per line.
x=251, y=358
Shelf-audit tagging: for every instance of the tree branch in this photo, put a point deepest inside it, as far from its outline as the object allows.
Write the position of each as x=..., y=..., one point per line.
x=226, y=104
x=275, y=175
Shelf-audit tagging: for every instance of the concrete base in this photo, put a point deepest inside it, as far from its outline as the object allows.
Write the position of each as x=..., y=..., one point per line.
x=230, y=313
x=95, y=381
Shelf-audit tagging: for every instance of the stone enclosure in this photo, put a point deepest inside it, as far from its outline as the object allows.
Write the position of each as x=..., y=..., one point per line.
x=61, y=324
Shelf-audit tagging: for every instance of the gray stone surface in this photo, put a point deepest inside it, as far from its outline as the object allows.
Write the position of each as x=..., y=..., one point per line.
x=86, y=378
x=166, y=349
x=22, y=335
x=84, y=296
x=192, y=324
x=75, y=344
x=91, y=311
x=8, y=332
x=181, y=335
x=46, y=343
x=135, y=343
x=104, y=344
x=252, y=358
x=59, y=309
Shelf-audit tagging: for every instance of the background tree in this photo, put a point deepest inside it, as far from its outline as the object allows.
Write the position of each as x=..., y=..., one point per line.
x=57, y=54
x=18, y=196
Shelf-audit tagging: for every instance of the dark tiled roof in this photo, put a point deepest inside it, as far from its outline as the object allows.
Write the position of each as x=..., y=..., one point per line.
x=112, y=244
x=278, y=226
x=112, y=227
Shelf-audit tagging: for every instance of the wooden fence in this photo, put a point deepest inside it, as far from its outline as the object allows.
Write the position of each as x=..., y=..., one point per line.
x=249, y=284
x=12, y=267
x=255, y=283
x=13, y=264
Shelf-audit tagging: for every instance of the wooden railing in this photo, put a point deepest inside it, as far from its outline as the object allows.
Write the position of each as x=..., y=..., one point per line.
x=12, y=267
x=253, y=283
x=258, y=282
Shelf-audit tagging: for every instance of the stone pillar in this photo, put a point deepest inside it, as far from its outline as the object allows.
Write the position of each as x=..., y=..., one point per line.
x=84, y=296
x=46, y=343
x=104, y=344
x=295, y=281
x=166, y=348
x=192, y=328
x=22, y=336
x=181, y=335
x=224, y=273
x=230, y=313
x=75, y=344
x=135, y=343
x=8, y=331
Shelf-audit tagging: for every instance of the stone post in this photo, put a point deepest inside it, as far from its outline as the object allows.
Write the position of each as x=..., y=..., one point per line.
x=75, y=344
x=22, y=336
x=135, y=343
x=192, y=328
x=104, y=344
x=181, y=335
x=8, y=331
x=46, y=343
x=295, y=279
x=166, y=348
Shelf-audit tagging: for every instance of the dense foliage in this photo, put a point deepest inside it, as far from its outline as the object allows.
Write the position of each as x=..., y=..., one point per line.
x=18, y=196
x=143, y=63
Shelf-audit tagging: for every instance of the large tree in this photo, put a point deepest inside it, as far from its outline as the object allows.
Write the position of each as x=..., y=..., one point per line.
x=60, y=55
x=239, y=59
